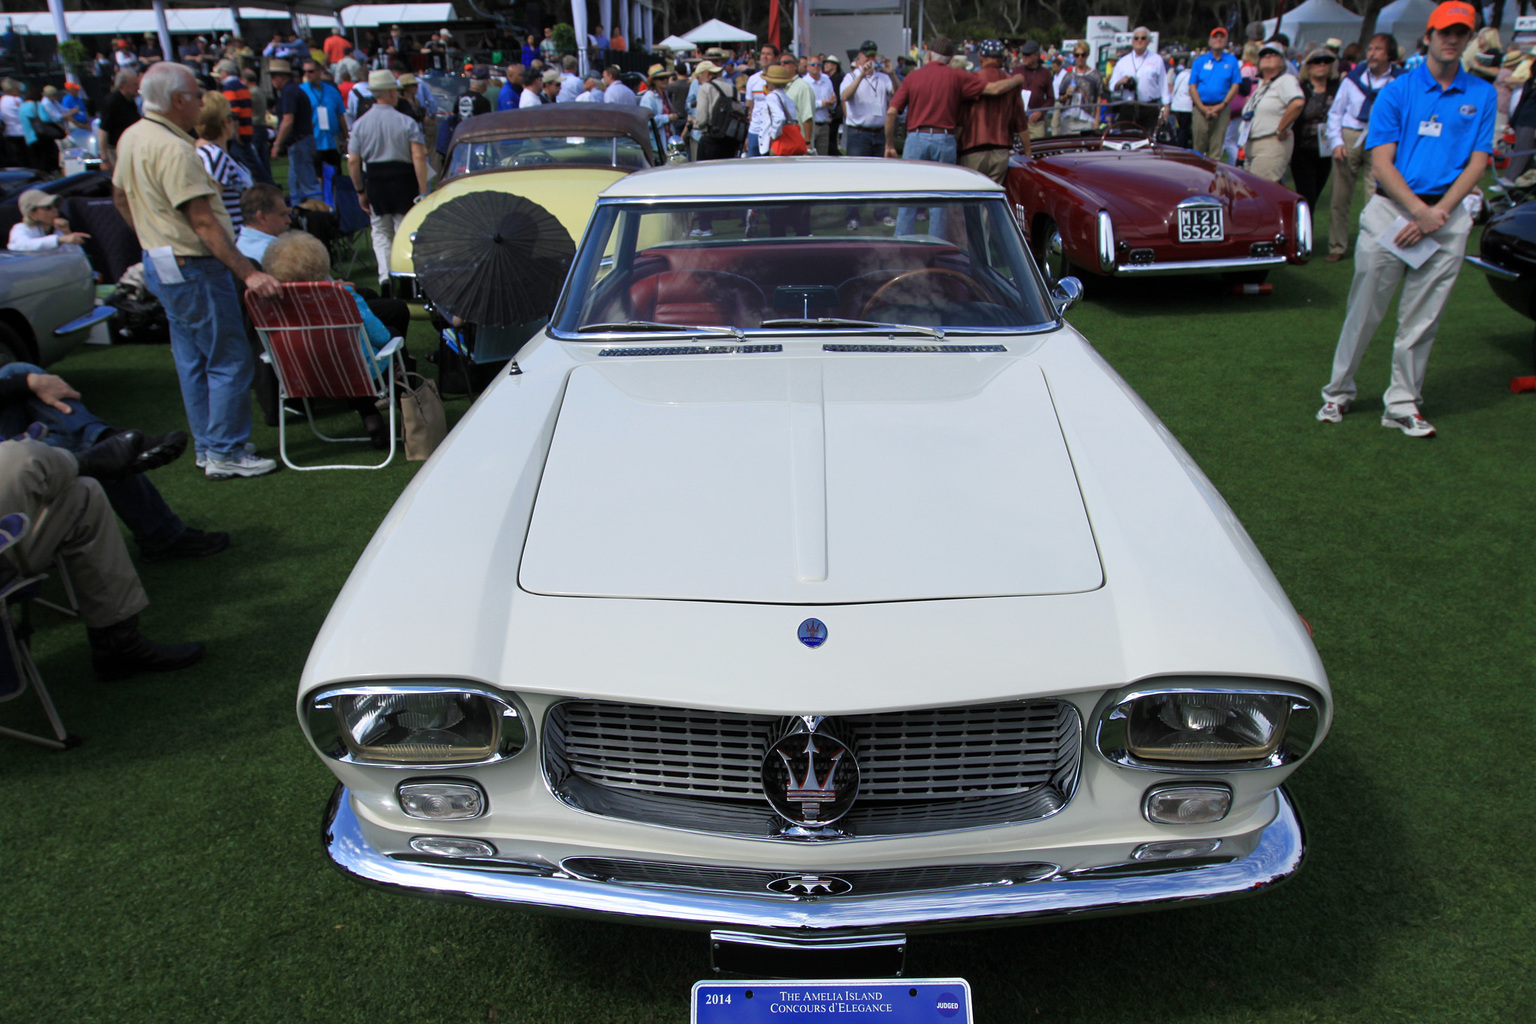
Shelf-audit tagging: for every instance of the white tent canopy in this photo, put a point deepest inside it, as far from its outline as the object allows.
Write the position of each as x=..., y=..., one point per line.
x=1404, y=20
x=677, y=44
x=1314, y=22
x=193, y=20
x=716, y=31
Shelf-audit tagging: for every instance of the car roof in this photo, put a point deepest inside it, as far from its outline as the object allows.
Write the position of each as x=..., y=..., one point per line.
x=559, y=119
x=799, y=175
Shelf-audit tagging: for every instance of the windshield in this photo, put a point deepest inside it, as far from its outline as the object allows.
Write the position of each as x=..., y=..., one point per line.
x=495, y=154
x=807, y=263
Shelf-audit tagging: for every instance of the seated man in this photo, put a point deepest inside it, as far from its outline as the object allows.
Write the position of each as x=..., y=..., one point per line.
x=28, y=394
x=70, y=519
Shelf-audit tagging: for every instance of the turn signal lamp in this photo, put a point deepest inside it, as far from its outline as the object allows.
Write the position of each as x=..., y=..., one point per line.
x=442, y=801
x=1186, y=805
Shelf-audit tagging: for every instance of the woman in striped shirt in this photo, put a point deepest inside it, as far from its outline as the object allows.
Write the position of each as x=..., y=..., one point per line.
x=215, y=127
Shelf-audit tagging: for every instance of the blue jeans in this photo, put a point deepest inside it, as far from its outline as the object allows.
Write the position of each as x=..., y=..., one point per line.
x=864, y=141
x=303, y=183
x=136, y=501
x=925, y=146
x=752, y=144
x=261, y=144
x=213, y=357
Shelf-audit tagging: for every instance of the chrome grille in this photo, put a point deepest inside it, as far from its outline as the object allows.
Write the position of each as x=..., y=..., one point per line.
x=715, y=878
x=929, y=770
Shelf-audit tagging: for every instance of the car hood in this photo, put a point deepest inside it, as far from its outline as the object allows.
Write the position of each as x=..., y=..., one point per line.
x=808, y=481
x=567, y=192
x=1147, y=184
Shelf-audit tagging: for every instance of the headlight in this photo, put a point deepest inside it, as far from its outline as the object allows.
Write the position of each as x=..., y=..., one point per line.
x=1195, y=727
x=415, y=725
x=1303, y=228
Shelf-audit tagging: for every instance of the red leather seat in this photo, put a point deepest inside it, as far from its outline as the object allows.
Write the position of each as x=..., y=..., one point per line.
x=711, y=298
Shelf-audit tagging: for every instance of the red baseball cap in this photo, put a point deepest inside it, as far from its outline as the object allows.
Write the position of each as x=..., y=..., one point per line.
x=1219, y=31
x=1453, y=12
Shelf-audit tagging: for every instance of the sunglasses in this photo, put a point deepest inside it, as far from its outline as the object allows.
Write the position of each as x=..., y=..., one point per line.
x=1140, y=39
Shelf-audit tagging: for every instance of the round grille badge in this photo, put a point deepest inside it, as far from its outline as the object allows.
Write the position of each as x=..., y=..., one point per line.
x=810, y=778
x=813, y=633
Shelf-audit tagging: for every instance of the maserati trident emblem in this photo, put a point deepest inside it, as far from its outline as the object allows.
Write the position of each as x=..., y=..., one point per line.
x=810, y=778
x=810, y=886
x=813, y=633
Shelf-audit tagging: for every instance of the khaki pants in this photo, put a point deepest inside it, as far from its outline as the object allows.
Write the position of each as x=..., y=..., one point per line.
x=1425, y=291
x=71, y=518
x=821, y=138
x=991, y=162
x=1210, y=133
x=382, y=226
x=1344, y=174
x=1038, y=128
x=1268, y=158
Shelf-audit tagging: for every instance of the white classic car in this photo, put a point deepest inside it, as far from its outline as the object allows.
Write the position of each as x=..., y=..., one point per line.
x=813, y=583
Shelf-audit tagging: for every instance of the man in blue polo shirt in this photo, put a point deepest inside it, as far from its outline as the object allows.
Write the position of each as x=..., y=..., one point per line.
x=1213, y=81
x=1430, y=139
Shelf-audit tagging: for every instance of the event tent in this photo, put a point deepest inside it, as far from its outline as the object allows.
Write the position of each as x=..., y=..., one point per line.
x=1314, y=22
x=192, y=20
x=677, y=44
x=716, y=31
x=1404, y=20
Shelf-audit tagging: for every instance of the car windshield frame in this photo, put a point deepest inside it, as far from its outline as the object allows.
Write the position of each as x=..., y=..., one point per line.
x=611, y=246
x=593, y=151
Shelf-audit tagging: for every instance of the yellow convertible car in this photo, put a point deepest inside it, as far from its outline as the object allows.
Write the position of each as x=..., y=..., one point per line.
x=558, y=156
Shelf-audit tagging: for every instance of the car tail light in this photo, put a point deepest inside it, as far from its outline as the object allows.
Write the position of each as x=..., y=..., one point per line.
x=1303, y=228
x=1200, y=726
x=415, y=725
x=1106, y=242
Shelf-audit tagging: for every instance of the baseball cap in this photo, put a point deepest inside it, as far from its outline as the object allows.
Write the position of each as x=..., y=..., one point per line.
x=1219, y=31
x=35, y=198
x=1029, y=48
x=1274, y=48
x=550, y=76
x=480, y=74
x=991, y=48
x=706, y=67
x=1453, y=12
x=868, y=46
x=832, y=58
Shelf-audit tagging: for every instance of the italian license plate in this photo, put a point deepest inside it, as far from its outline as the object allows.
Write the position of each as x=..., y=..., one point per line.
x=1200, y=224
x=886, y=1000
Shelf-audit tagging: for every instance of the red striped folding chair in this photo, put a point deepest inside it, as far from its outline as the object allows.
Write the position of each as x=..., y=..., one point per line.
x=313, y=337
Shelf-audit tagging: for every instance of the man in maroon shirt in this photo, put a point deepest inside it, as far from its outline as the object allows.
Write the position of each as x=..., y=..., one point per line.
x=932, y=96
x=992, y=122
x=1042, y=90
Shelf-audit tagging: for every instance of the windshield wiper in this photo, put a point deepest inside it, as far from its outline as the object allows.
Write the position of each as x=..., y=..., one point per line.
x=652, y=325
x=834, y=322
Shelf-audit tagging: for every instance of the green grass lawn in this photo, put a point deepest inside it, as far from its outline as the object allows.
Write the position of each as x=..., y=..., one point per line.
x=170, y=869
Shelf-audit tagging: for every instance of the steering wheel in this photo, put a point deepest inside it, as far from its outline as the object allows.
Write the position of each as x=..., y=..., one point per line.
x=971, y=283
x=532, y=158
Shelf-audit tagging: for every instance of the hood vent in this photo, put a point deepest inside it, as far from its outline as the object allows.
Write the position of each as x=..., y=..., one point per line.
x=690, y=350
x=914, y=348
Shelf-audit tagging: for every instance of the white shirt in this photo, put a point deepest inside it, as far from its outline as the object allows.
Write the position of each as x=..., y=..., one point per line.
x=757, y=91
x=529, y=98
x=253, y=243
x=1151, y=79
x=1345, y=112
x=775, y=107
x=621, y=94
x=570, y=87
x=29, y=237
x=822, y=89
x=591, y=96
x=871, y=96
x=10, y=115
x=1180, y=101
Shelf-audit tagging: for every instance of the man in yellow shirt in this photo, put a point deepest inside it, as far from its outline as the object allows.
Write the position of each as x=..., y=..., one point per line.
x=164, y=193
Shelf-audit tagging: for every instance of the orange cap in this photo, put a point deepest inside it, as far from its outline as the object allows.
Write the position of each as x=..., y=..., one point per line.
x=1453, y=12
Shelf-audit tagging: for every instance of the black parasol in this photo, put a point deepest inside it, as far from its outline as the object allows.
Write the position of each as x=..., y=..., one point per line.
x=492, y=259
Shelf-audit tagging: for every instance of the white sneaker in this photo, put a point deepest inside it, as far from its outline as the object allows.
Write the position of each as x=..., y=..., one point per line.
x=1412, y=424
x=1333, y=412
x=202, y=457
x=244, y=464
x=853, y=223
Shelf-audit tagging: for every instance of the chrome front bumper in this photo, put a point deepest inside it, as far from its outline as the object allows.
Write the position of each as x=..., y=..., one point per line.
x=1276, y=856
x=1201, y=266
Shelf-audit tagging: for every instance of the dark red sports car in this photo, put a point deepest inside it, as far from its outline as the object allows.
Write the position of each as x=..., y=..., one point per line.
x=1120, y=204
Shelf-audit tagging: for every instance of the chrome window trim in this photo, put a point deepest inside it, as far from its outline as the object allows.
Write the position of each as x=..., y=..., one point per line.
x=324, y=731
x=830, y=336
x=738, y=198
x=1301, y=732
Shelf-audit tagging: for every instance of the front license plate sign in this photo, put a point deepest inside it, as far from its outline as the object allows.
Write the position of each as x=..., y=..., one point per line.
x=887, y=1000
x=1200, y=224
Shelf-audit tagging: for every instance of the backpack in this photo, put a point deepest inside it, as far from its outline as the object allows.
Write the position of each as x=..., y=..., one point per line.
x=729, y=120
x=364, y=104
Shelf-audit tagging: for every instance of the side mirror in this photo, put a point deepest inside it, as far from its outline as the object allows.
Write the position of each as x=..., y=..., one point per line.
x=1065, y=293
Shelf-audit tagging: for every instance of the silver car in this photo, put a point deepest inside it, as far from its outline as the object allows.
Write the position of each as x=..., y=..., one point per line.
x=47, y=304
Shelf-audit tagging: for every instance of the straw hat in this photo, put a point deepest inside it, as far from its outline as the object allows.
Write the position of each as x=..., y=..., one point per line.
x=706, y=67
x=279, y=66
x=381, y=80
x=778, y=74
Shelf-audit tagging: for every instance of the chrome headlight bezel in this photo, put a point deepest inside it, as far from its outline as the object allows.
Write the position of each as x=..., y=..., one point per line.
x=323, y=711
x=1299, y=734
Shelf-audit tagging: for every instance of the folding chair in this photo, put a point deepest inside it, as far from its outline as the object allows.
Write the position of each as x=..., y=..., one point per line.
x=18, y=671
x=354, y=226
x=313, y=337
